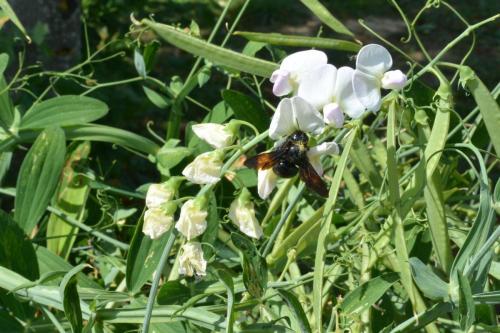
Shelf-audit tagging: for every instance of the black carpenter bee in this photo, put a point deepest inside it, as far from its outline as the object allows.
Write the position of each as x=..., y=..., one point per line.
x=289, y=158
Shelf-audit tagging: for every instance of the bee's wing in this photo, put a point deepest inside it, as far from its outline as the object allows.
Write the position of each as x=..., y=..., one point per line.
x=263, y=161
x=312, y=179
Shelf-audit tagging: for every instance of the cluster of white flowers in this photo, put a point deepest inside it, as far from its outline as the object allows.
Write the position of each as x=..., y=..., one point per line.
x=319, y=95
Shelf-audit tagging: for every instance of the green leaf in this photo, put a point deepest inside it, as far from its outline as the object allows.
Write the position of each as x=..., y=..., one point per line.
x=488, y=106
x=170, y=155
x=7, y=9
x=424, y=318
x=226, y=279
x=326, y=17
x=6, y=107
x=428, y=282
x=140, y=65
x=247, y=109
x=38, y=177
x=143, y=257
x=71, y=299
x=211, y=52
x=5, y=160
x=296, y=309
x=254, y=266
x=16, y=250
x=319, y=260
x=364, y=296
x=158, y=100
x=173, y=292
x=490, y=297
x=300, y=41
x=466, y=307
x=71, y=197
x=64, y=111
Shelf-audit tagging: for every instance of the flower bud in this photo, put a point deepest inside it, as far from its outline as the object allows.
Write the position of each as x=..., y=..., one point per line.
x=193, y=218
x=216, y=135
x=333, y=115
x=242, y=213
x=159, y=194
x=282, y=85
x=191, y=261
x=393, y=80
x=266, y=182
x=205, y=168
x=157, y=221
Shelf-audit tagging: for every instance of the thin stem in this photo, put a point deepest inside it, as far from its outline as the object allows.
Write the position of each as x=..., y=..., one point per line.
x=156, y=281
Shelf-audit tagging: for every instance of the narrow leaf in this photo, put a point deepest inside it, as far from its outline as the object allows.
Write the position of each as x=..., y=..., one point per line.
x=7, y=9
x=428, y=282
x=211, y=52
x=326, y=17
x=71, y=299
x=296, y=309
x=247, y=109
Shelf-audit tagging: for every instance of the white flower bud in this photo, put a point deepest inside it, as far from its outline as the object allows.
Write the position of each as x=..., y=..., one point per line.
x=266, y=182
x=191, y=260
x=216, y=135
x=393, y=80
x=333, y=115
x=158, y=194
x=242, y=213
x=156, y=222
x=205, y=168
x=193, y=218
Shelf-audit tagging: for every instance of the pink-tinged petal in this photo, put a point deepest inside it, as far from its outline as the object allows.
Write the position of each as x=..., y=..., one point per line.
x=367, y=90
x=282, y=85
x=317, y=86
x=394, y=80
x=307, y=118
x=333, y=115
x=374, y=59
x=266, y=182
x=303, y=61
x=283, y=122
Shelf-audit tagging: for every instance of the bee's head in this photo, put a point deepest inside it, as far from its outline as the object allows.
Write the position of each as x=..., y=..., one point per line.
x=299, y=137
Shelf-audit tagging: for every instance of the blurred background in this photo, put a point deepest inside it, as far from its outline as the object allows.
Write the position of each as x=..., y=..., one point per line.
x=59, y=29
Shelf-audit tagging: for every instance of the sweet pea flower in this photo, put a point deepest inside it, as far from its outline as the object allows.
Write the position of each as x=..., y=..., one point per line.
x=294, y=114
x=158, y=221
x=193, y=218
x=314, y=154
x=205, y=168
x=330, y=89
x=159, y=194
x=216, y=135
x=266, y=182
x=287, y=78
x=242, y=213
x=372, y=73
x=191, y=261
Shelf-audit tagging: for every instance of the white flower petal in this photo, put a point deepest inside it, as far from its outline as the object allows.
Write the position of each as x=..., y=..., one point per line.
x=158, y=194
x=333, y=115
x=394, y=80
x=307, y=118
x=300, y=62
x=243, y=215
x=326, y=148
x=367, y=90
x=216, y=135
x=282, y=82
x=316, y=164
x=374, y=59
x=266, y=182
x=191, y=261
x=156, y=222
x=204, y=169
x=192, y=220
x=282, y=123
x=344, y=92
x=317, y=86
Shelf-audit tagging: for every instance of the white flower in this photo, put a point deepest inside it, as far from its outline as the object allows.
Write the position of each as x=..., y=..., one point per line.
x=191, y=260
x=216, y=135
x=294, y=114
x=331, y=90
x=314, y=154
x=205, y=168
x=156, y=222
x=372, y=73
x=159, y=194
x=266, y=182
x=193, y=218
x=287, y=78
x=242, y=213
